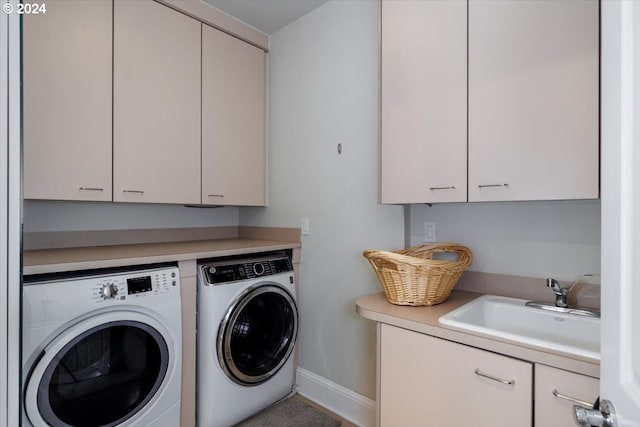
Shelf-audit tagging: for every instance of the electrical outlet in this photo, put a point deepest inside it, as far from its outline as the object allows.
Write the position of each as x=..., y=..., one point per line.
x=305, y=227
x=430, y=232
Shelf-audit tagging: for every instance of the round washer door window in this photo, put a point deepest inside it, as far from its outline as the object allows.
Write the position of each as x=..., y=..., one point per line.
x=98, y=376
x=258, y=334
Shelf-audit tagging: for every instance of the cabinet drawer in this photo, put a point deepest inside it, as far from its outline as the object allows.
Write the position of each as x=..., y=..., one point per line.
x=552, y=410
x=426, y=381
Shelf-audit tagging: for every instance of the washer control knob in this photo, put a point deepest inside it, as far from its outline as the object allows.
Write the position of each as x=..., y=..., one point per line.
x=108, y=291
x=258, y=269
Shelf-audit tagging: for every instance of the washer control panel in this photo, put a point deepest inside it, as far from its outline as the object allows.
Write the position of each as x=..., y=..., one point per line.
x=74, y=293
x=232, y=271
x=109, y=290
x=138, y=284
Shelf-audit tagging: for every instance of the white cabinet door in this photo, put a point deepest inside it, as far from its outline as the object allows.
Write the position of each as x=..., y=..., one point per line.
x=424, y=101
x=67, y=101
x=427, y=381
x=557, y=391
x=233, y=121
x=533, y=100
x=156, y=78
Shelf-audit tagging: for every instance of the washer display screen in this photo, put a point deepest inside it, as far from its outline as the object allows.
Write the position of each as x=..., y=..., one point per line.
x=139, y=284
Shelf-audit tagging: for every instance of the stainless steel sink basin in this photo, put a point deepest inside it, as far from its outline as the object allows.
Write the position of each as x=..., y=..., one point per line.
x=511, y=320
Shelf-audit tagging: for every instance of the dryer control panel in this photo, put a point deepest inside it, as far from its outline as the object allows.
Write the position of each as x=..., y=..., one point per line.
x=232, y=271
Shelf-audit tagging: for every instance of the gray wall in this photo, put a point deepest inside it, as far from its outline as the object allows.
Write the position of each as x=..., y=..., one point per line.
x=323, y=90
x=535, y=239
x=40, y=215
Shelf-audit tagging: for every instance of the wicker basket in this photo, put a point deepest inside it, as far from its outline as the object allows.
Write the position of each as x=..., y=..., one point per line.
x=412, y=277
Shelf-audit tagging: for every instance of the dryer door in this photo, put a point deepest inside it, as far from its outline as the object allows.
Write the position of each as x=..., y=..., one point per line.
x=99, y=372
x=258, y=334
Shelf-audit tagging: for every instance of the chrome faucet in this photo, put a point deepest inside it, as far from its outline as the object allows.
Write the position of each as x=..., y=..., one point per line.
x=562, y=303
x=561, y=292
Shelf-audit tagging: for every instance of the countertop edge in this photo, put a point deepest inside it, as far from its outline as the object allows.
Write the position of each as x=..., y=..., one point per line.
x=61, y=260
x=425, y=320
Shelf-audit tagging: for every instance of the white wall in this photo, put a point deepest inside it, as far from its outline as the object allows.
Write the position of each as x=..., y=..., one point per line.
x=40, y=215
x=323, y=90
x=534, y=239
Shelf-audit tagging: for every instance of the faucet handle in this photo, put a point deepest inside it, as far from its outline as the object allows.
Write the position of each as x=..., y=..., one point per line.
x=560, y=291
x=555, y=286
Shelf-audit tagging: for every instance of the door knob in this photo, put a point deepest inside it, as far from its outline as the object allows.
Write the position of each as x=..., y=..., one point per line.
x=603, y=417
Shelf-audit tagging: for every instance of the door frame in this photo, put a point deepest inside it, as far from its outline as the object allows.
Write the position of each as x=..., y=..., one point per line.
x=11, y=213
x=620, y=241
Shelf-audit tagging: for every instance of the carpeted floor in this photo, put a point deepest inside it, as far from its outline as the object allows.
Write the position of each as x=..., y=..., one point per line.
x=290, y=413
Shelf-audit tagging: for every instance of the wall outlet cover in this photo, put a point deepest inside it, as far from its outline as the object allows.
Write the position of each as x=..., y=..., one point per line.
x=430, y=232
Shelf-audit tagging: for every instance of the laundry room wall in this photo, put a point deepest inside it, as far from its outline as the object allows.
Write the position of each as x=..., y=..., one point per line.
x=559, y=239
x=323, y=91
x=45, y=215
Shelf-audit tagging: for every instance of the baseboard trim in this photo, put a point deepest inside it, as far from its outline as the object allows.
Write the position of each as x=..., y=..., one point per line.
x=348, y=404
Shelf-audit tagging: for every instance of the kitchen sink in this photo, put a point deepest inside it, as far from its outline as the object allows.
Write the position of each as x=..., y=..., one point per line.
x=511, y=320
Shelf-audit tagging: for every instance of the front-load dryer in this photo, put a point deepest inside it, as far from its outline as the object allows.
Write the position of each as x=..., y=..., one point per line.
x=247, y=330
x=102, y=349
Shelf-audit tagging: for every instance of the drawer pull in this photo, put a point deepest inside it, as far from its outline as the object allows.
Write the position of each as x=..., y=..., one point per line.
x=91, y=189
x=451, y=187
x=491, y=377
x=133, y=191
x=572, y=399
x=492, y=185
x=216, y=195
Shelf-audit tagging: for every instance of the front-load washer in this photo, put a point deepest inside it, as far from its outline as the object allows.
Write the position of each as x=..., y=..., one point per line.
x=102, y=348
x=247, y=330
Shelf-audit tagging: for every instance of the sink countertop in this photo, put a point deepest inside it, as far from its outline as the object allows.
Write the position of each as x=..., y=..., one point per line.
x=69, y=259
x=425, y=320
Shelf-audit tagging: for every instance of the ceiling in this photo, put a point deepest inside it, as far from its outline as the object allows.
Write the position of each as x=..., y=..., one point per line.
x=267, y=16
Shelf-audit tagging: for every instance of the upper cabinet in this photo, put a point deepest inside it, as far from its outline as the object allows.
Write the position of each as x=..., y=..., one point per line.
x=156, y=104
x=233, y=121
x=525, y=127
x=533, y=100
x=67, y=101
x=135, y=101
x=424, y=101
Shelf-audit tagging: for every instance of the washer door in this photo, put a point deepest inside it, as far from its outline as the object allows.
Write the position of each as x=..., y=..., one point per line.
x=258, y=334
x=99, y=372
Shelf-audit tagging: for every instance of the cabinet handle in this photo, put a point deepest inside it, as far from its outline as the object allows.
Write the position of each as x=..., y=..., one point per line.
x=451, y=187
x=91, y=189
x=216, y=195
x=572, y=399
x=491, y=377
x=492, y=185
x=133, y=191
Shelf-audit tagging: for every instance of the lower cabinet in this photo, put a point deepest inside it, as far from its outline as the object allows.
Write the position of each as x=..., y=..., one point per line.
x=557, y=391
x=428, y=381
